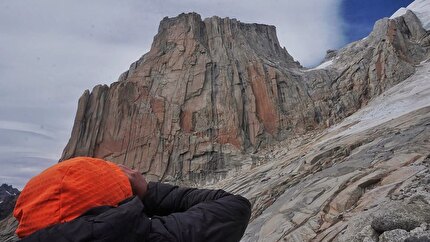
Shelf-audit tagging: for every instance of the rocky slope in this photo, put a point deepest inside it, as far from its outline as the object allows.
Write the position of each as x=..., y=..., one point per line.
x=210, y=92
x=8, y=224
x=365, y=179
x=7, y=228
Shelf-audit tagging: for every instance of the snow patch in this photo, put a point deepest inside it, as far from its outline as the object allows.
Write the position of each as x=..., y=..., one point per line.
x=407, y=96
x=399, y=13
x=424, y=61
x=322, y=65
x=421, y=8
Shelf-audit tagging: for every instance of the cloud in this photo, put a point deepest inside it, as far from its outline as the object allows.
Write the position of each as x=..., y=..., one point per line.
x=26, y=127
x=21, y=168
x=53, y=50
x=25, y=150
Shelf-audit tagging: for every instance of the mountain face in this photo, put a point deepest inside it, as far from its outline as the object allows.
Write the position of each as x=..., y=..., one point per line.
x=211, y=93
x=7, y=191
x=206, y=91
x=8, y=196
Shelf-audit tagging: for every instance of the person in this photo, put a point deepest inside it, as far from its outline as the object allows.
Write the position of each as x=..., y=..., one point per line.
x=89, y=199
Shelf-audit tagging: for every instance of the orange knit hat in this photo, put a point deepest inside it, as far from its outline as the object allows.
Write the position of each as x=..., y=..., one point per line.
x=68, y=189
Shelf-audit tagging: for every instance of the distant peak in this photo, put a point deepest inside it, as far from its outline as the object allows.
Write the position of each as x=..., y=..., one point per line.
x=9, y=188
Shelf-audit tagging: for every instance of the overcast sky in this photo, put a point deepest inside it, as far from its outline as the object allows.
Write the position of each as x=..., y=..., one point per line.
x=52, y=50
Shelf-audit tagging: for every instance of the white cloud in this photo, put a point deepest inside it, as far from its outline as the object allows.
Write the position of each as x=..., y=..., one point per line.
x=52, y=50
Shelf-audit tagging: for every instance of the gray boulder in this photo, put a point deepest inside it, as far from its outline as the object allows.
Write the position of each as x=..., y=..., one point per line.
x=404, y=216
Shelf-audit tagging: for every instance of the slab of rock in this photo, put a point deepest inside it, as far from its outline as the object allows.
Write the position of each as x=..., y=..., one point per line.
x=7, y=229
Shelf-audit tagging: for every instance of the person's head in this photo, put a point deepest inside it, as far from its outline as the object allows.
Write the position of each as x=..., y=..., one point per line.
x=68, y=189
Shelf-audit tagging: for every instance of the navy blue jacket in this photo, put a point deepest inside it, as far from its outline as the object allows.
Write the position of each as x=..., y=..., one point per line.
x=167, y=213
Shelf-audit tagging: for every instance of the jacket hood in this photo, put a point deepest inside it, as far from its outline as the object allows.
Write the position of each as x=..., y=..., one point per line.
x=68, y=189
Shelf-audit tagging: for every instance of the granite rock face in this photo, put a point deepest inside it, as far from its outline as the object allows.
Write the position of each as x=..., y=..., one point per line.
x=211, y=92
x=206, y=90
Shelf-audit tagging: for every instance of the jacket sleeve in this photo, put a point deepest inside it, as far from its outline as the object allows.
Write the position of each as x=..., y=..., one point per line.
x=190, y=214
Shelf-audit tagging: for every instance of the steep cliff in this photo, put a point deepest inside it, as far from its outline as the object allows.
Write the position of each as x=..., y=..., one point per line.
x=205, y=90
x=210, y=92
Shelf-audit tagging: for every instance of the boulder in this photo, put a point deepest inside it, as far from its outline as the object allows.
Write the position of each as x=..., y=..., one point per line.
x=402, y=216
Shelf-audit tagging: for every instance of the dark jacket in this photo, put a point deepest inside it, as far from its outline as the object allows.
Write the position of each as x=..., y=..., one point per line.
x=167, y=213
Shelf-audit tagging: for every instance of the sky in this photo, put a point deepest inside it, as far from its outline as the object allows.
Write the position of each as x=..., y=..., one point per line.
x=360, y=15
x=52, y=50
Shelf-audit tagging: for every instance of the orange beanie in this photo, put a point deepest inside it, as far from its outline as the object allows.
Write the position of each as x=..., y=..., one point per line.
x=68, y=189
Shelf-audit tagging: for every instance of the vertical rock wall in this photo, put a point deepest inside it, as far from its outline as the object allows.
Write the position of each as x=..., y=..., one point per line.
x=211, y=91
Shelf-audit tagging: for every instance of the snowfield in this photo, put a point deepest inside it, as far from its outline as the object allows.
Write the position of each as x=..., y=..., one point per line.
x=410, y=95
